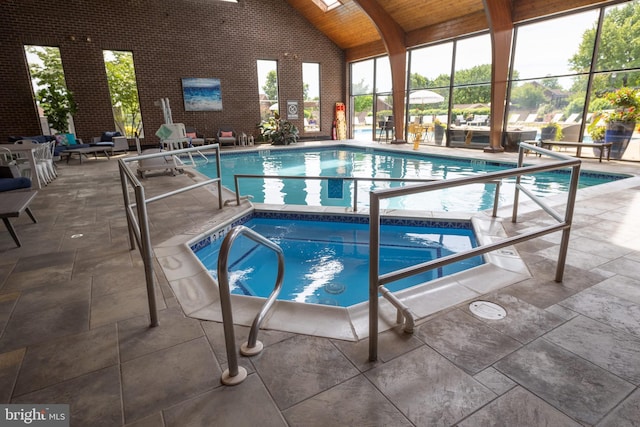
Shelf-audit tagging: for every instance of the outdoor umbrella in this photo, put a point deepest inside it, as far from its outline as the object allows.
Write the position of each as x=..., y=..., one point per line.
x=425, y=97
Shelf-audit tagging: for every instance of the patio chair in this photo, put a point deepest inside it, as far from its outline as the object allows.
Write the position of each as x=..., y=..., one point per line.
x=194, y=136
x=479, y=120
x=111, y=139
x=226, y=135
x=572, y=119
x=556, y=118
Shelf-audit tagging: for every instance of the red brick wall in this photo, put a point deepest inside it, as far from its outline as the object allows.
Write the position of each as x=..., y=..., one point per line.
x=170, y=39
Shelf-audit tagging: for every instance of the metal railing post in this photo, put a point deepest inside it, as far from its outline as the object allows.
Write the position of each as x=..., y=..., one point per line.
x=374, y=259
x=147, y=255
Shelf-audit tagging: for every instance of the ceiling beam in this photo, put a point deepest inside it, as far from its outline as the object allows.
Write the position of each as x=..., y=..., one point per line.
x=499, y=16
x=393, y=37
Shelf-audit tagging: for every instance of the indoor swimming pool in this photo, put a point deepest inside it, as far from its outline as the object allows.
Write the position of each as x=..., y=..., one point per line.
x=363, y=162
x=327, y=257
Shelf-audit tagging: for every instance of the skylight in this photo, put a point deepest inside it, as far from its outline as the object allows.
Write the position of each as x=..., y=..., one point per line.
x=327, y=5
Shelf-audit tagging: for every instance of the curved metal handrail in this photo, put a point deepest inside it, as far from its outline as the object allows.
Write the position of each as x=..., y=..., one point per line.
x=252, y=346
x=377, y=280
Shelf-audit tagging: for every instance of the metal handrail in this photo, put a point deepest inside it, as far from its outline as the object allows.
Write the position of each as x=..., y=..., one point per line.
x=377, y=281
x=138, y=219
x=355, y=179
x=234, y=374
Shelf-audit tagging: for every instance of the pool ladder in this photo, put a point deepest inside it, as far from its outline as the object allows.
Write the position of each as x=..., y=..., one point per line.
x=235, y=374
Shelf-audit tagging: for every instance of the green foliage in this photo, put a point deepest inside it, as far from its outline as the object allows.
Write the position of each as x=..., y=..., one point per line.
x=527, y=96
x=549, y=127
x=417, y=81
x=625, y=102
x=478, y=93
x=271, y=86
x=619, y=48
x=121, y=78
x=278, y=131
x=599, y=104
x=55, y=99
x=363, y=103
x=595, y=130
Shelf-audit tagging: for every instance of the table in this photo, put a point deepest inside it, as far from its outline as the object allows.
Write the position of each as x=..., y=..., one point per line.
x=84, y=151
x=12, y=204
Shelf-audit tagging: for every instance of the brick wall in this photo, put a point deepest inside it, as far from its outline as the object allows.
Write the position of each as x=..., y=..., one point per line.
x=170, y=39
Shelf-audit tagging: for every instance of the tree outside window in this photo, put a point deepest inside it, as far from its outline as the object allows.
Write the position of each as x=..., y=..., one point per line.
x=121, y=77
x=50, y=89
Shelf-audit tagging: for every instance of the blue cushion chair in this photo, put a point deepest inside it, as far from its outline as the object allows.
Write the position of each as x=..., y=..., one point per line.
x=113, y=139
x=10, y=179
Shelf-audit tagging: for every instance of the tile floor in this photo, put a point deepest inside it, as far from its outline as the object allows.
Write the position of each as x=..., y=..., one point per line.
x=74, y=325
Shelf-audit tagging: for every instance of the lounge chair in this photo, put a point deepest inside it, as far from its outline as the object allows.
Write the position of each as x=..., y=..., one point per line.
x=531, y=118
x=572, y=118
x=479, y=120
x=195, y=138
x=226, y=135
x=556, y=118
x=111, y=139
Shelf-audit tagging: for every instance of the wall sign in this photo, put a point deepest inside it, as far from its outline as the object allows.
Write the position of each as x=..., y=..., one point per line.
x=292, y=110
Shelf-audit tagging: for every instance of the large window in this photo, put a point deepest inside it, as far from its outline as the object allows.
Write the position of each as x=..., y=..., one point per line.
x=54, y=101
x=372, y=102
x=547, y=84
x=121, y=77
x=268, y=88
x=311, y=89
x=552, y=77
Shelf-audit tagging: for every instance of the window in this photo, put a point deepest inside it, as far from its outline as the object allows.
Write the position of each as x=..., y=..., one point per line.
x=327, y=5
x=267, y=88
x=121, y=77
x=362, y=99
x=311, y=89
x=54, y=101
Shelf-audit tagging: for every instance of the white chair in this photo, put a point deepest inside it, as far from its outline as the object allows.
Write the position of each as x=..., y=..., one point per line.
x=572, y=119
x=6, y=157
x=45, y=171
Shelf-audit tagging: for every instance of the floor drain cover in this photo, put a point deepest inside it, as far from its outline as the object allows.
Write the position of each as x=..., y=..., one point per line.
x=487, y=310
x=77, y=236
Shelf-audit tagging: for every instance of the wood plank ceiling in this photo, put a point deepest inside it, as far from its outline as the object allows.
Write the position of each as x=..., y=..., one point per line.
x=423, y=21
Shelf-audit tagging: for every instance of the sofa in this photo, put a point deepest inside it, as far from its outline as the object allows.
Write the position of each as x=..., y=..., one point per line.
x=10, y=179
x=113, y=139
x=63, y=142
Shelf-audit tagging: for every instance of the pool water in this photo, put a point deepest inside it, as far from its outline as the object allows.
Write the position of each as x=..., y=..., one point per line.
x=327, y=262
x=347, y=161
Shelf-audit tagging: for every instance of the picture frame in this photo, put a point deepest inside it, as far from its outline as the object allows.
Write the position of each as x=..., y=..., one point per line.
x=202, y=94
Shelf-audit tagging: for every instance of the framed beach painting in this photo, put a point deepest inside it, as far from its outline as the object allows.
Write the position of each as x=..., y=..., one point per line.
x=201, y=94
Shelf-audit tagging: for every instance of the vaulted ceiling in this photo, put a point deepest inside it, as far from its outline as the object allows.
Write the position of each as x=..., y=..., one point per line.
x=423, y=21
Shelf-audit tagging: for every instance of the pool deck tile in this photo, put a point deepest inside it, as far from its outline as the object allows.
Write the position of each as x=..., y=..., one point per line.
x=566, y=354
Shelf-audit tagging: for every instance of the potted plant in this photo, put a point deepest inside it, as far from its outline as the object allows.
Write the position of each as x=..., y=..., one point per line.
x=278, y=131
x=621, y=122
x=551, y=131
x=438, y=131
